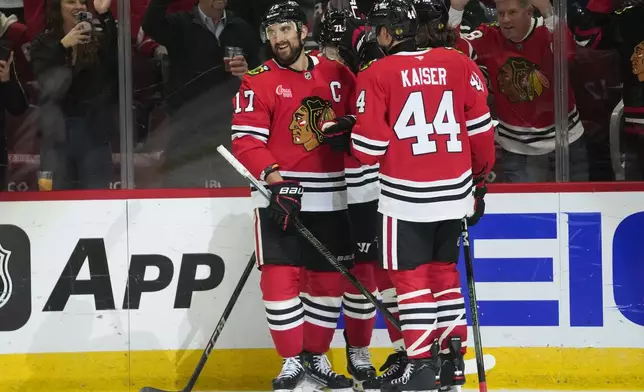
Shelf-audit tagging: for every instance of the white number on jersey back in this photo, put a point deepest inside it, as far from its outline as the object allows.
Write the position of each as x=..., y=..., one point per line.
x=412, y=123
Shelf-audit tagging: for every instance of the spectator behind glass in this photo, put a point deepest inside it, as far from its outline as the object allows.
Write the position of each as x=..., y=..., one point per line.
x=13, y=7
x=200, y=88
x=13, y=100
x=75, y=63
x=13, y=35
x=517, y=53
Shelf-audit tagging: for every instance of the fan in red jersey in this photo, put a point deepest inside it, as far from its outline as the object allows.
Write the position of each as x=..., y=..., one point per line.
x=517, y=53
x=422, y=114
x=278, y=133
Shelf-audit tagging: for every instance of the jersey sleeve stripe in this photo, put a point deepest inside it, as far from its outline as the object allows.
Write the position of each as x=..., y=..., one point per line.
x=479, y=125
x=369, y=146
x=376, y=144
x=318, y=182
x=247, y=130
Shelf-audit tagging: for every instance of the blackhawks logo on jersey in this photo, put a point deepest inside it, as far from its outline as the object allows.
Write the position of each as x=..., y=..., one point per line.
x=637, y=61
x=520, y=80
x=258, y=70
x=306, y=125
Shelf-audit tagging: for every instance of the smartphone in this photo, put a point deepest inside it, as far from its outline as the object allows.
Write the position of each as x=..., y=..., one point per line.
x=5, y=50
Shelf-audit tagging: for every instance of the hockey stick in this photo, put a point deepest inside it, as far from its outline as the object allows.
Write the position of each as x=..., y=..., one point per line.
x=476, y=327
x=310, y=238
x=215, y=335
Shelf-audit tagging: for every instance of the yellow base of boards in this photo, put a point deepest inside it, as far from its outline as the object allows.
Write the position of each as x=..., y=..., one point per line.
x=253, y=369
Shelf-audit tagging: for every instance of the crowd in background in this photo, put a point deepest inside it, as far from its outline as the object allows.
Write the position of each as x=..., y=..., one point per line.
x=59, y=90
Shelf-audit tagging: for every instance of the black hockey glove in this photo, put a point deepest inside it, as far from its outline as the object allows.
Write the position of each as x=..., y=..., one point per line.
x=286, y=202
x=357, y=49
x=479, y=205
x=338, y=135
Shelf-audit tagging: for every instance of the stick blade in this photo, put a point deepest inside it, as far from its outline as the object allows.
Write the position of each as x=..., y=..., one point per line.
x=150, y=389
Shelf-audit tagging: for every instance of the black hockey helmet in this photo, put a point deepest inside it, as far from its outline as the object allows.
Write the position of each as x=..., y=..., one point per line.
x=432, y=12
x=397, y=16
x=288, y=11
x=333, y=26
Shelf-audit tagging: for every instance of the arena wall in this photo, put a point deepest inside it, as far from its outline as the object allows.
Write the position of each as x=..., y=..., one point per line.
x=111, y=291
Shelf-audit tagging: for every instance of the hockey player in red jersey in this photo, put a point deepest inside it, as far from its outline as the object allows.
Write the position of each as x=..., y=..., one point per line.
x=517, y=53
x=422, y=114
x=362, y=196
x=278, y=128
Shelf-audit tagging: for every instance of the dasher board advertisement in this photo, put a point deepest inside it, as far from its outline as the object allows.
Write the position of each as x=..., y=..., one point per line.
x=114, y=294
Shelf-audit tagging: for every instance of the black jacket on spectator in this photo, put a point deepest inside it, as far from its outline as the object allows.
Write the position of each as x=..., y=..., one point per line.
x=14, y=101
x=196, y=55
x=77, y=113
x=81, y=91
x=200, y=96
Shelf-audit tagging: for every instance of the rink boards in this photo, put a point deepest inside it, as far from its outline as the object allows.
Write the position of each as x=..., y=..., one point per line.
x=559, y=283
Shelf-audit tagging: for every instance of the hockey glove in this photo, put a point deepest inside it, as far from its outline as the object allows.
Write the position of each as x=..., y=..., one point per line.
x=286, y=202
x=479, y=205
x=337, y=133
x=356, y=48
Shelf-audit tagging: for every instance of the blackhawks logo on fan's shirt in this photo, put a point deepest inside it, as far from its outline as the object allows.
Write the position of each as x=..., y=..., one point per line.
x=306, y=125
x=521, y=80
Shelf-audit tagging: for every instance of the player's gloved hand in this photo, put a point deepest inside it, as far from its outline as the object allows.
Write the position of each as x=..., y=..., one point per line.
x=479, y=205
x=286, y=202
x=356, y=47
x=337, y=133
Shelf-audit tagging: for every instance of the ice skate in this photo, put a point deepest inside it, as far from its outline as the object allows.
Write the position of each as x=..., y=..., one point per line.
x=452, y=367
x=291, y=377
x=321, y=376
x=420, y=376
x=359, y=364
x=393, y=367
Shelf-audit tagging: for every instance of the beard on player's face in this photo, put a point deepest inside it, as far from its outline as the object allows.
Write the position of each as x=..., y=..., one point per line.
x=286, y=52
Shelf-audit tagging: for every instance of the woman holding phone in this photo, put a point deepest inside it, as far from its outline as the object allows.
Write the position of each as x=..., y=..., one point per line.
x=76, y=65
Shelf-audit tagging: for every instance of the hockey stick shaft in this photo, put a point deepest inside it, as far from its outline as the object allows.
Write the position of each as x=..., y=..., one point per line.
x=476, y=327
x=215, y=335
x=304, y=232
x=220, y=325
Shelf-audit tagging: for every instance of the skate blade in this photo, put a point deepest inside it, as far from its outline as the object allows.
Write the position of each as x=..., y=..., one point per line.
x=453, y=388
x=301, y=387
x=311, y=385
x=357, y=386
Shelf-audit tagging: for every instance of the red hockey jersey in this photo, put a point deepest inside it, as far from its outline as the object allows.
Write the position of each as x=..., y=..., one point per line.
x=424, y=116
x=521, y=76
x=278, y=118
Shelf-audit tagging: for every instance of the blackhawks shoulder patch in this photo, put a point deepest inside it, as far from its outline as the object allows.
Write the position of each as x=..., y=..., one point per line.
x=258, y=70
x=367, y=65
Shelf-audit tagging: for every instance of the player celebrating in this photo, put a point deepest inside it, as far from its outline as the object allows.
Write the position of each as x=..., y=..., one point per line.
x=278, y=128
x=362, y=191
x=423, y=116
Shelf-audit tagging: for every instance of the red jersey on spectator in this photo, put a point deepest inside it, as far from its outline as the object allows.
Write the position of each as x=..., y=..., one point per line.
x=424, y=116
x=521, y=76
x=16, y=33
x=278, y=119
